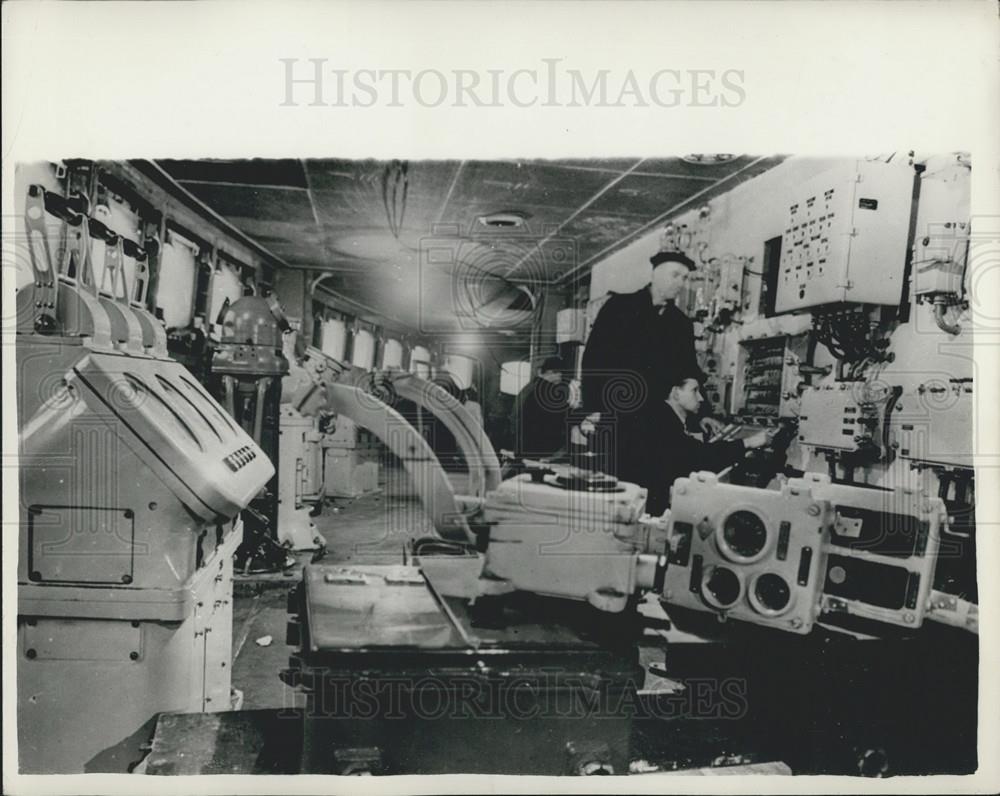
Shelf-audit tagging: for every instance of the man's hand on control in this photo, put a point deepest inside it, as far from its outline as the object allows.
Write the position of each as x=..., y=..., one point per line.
x=711, y=426
x=579, y=434
x=758, y=440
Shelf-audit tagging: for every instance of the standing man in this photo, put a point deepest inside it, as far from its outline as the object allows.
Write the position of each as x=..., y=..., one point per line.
x=639, y=344
x=541, y=413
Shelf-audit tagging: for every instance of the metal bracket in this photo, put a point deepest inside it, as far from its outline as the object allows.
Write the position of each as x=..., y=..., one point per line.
x=43, y=268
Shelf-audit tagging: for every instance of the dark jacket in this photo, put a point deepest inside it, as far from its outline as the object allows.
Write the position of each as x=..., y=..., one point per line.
x=633, y=352
x=683, y=455
x=541, y=419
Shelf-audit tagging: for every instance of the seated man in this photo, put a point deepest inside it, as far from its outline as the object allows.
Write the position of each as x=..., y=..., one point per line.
x=683, y=454
x=540, y=415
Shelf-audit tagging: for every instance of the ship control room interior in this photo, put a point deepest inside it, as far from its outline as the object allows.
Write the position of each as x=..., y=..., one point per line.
x=630, y=466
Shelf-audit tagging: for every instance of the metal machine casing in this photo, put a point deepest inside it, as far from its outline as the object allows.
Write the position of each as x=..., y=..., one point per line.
x=181, y=433
x=131, y=478
x=251, y=343
x=85, y=654
x=124, y=574
x=565, y=542
x=751, y=554
x=298, y=478
x=351, y=460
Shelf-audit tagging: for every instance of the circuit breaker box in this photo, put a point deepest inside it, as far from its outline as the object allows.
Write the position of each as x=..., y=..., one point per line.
x=831, y=416
x=767, y=377
x=845, y=237
x=936, y=426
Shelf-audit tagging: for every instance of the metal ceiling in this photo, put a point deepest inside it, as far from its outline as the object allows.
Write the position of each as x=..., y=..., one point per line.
x=404, y=238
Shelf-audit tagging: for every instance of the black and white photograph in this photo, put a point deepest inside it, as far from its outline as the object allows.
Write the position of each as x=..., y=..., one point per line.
x=386, y=441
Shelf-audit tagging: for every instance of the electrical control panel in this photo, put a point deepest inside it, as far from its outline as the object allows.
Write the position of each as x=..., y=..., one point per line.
x=846, y=416
x=845, y=237
x=767, y=377
x=753, y=554
x=718, y=393
x=829, y=417
x=933, y=423
x=882, y=552
x=715, y=290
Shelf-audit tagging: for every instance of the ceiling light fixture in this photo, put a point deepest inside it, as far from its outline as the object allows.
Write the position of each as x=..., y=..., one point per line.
x=707, y=159
x=507, y=219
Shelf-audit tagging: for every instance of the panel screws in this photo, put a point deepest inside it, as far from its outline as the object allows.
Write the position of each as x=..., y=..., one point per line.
x=126, y=578
x=134, y=655
x=813, y=510
x=30, y=654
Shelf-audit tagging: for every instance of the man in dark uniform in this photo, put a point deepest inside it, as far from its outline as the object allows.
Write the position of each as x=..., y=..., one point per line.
x=639, y=344
x=540, y=413
x=684, y=454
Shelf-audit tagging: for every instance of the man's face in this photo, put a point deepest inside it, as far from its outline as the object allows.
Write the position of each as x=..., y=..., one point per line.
x=669, y=280
x=688, y=396
x=551, y=376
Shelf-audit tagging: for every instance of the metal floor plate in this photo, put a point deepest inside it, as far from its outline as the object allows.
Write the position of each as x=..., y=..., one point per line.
x=375, y=607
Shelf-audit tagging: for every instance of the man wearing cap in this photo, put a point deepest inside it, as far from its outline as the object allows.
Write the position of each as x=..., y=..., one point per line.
x=639, y=344
x=540, y=413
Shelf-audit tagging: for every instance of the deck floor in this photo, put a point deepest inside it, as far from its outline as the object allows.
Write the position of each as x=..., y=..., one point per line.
x=373, y=529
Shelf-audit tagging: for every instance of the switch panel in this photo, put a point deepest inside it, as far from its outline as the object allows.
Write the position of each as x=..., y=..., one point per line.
x=842, y=416
x=845, y=237
x=883, y=550
x=935, y=424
